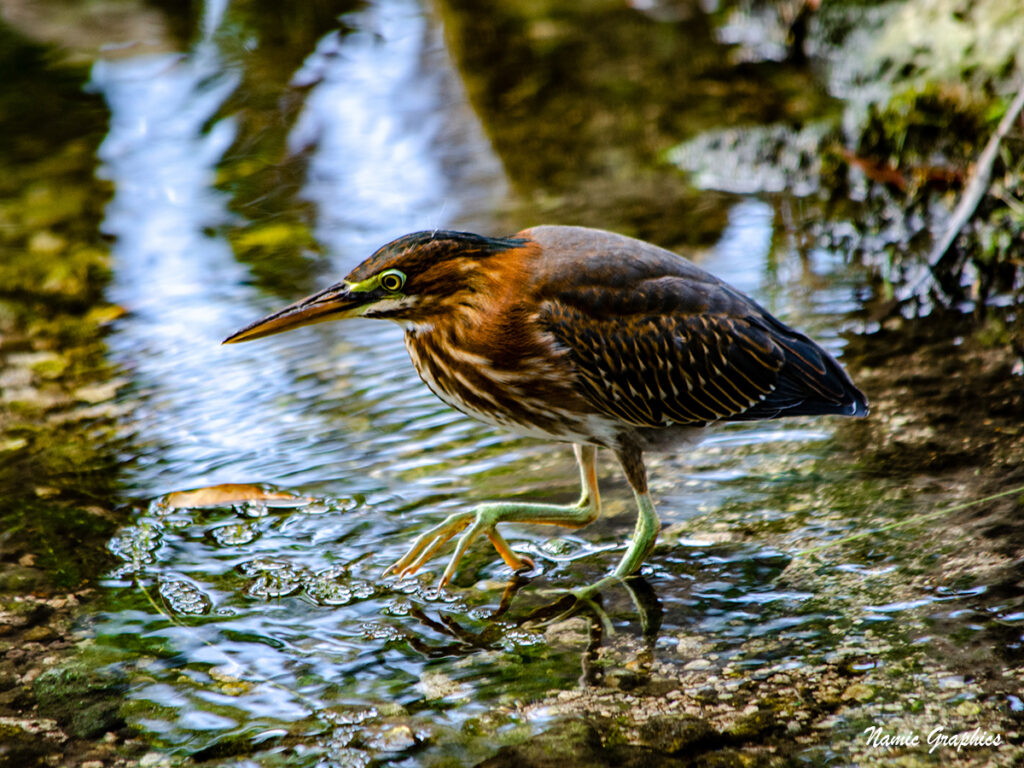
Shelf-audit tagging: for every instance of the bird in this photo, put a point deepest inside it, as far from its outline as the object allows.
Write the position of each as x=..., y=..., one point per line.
x=580, y=336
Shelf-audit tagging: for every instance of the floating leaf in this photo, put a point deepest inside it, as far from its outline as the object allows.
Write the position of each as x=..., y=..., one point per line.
x=231, y=493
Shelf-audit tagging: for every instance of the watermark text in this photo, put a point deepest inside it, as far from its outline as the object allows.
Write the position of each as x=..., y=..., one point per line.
x=938, y=737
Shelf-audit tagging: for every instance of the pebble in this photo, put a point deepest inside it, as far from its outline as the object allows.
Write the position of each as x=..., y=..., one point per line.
x=154, y=760
x=859, y=692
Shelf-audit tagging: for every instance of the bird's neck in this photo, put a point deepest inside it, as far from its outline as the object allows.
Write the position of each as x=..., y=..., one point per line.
x=481, y=314
x=455, y=323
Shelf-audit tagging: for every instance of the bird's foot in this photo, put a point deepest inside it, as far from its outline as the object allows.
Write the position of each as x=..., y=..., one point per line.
x=587, y=600
x=572, y=603
x=482, y=520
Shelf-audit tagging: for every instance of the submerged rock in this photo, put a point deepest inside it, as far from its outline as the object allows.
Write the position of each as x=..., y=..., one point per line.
x=83, y=700
x=567, y=743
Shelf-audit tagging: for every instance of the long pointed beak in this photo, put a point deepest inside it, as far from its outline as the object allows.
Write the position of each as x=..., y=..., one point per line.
x=332, y=303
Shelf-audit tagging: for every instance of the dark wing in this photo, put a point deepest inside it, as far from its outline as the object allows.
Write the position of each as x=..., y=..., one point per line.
x=684, y=352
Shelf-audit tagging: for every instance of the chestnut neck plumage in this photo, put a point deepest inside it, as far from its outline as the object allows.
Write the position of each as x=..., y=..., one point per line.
x=481, y=350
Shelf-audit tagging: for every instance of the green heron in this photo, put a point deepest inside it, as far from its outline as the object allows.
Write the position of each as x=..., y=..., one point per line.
x=581, y=336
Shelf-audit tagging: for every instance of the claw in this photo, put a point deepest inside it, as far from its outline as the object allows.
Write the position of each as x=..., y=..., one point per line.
x=428, y=543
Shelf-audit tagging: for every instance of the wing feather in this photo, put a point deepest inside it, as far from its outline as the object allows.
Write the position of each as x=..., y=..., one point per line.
x=653, y=339
x=655, y=370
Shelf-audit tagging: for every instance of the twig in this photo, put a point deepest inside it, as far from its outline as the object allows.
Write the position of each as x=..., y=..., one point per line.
x=976, y=188
x=926, y=517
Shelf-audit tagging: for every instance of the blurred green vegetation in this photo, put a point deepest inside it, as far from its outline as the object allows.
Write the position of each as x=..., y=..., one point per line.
x=932, y=79
x=952, y=69
x=58, y=428
x=581, y=100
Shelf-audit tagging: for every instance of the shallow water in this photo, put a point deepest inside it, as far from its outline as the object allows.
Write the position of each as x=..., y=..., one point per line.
x=256, y=626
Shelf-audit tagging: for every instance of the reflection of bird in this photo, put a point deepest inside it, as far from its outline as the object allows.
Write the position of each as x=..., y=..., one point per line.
x=581, y=336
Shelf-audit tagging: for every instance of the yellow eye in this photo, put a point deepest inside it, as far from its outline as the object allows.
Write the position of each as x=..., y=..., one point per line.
x=392, y=280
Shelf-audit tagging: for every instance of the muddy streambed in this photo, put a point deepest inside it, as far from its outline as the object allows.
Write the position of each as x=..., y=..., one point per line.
x=194, y=535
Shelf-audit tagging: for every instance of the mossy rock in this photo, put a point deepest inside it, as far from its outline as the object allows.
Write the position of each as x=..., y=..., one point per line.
x=678, y=734
x=756, y=726
x=22, y=580
x=577, y=742
x=568, y=743
x=83, y=700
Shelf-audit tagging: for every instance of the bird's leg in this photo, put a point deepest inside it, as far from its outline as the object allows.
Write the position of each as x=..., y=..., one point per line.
x=484, y=518
x=644, y=537
x=647, y=523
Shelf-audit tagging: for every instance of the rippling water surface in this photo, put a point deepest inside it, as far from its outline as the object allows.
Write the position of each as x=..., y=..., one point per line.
x=259, y=616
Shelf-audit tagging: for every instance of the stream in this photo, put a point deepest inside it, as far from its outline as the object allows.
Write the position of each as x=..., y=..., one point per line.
x=262, y=489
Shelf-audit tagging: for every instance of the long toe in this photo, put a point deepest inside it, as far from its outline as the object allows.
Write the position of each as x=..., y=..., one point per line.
x=427, y=543
x=483, y=520
x=484, y=525
x=513, y=560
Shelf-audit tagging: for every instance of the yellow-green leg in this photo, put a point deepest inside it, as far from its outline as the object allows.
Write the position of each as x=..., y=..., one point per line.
x=644, y=537
x=484, y=518
x=645, y=534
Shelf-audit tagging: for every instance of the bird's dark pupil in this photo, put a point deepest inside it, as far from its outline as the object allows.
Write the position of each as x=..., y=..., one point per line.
x=391, y=282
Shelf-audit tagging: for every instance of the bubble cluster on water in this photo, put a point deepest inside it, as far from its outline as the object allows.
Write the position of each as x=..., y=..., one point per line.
x=185, y=598
x=396, y=608
x=513, y=639
x=251, y=509
x=331, y=593
x=322, y=508
x=136, y=545
x=273, y=577
x=235, y=534
x=335, y=586
x=381, y=632
x=560, y=547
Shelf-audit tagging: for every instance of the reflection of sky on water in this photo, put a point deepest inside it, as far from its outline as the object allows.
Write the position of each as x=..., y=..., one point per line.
x=740, y=254
x=386, y=115
x=177, y=281
x=376, y=120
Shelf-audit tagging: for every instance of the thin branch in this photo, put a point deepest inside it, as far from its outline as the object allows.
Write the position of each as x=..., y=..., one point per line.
x=975, y=190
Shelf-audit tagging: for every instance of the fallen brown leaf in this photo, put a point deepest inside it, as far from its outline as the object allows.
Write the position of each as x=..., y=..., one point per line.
x=229, y=493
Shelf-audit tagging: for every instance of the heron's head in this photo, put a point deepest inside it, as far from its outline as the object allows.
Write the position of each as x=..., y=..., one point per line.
x=414, y=279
